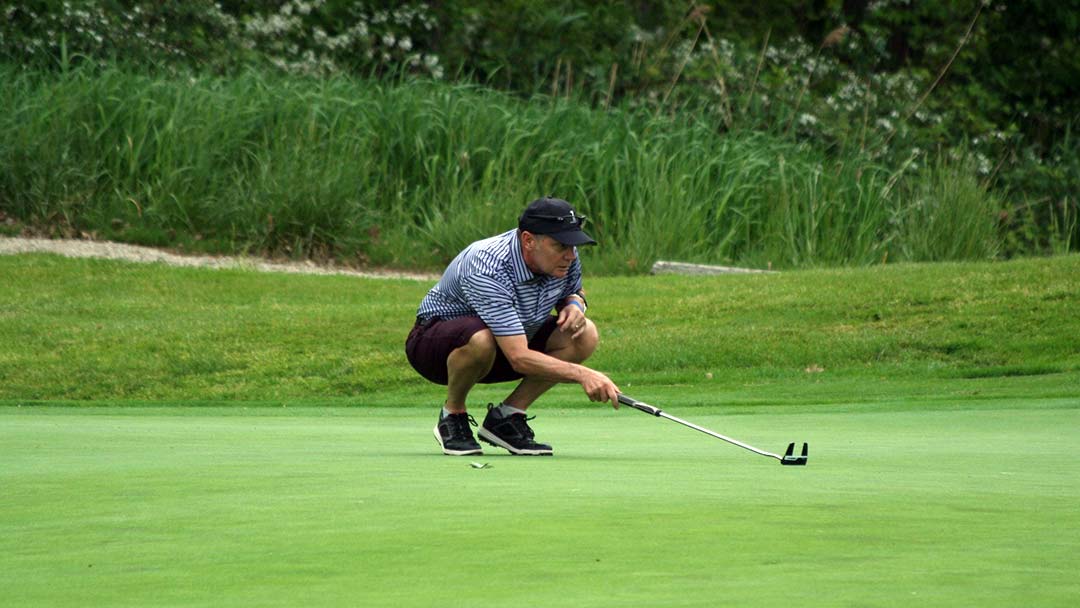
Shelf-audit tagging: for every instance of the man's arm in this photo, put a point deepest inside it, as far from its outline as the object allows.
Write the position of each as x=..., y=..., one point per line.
x=572, y=315
x=533, y=363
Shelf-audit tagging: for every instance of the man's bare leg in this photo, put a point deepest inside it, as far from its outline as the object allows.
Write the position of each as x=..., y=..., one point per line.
x=465, y=366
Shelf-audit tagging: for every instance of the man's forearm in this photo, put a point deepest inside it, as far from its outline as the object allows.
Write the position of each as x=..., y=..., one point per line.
x=535, y=363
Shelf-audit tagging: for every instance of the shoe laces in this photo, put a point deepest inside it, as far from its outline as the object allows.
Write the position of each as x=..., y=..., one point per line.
x=459, y=425
x=521, y=424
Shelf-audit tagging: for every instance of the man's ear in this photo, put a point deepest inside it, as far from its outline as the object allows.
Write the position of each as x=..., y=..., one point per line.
x=528, y=240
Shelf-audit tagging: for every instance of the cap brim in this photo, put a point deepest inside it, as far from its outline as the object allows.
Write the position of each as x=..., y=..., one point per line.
x=573, y=237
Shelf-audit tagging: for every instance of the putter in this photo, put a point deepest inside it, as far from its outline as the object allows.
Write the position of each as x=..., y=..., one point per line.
x=789, y=458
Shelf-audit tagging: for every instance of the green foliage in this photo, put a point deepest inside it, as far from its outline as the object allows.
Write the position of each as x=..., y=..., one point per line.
x=344, y=37
x=58, y=34
x=407, y=174
x=951, y=216
x=294, y=35
x=564, y=47
x=1045, y=214
x=877, y=77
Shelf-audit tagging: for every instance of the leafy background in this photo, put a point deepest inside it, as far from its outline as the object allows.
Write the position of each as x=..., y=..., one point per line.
x=987, y=90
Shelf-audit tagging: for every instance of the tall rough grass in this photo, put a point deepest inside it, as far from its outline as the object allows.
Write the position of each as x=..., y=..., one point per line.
x=406, y=174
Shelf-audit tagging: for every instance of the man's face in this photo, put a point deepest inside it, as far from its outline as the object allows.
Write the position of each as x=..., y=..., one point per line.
x=545, y=255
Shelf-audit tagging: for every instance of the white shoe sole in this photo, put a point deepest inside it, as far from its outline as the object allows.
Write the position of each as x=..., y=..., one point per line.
x=448, y=452
x=491, y=438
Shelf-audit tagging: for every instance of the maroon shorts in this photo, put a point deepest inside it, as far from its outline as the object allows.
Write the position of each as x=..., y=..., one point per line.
x=430, y=343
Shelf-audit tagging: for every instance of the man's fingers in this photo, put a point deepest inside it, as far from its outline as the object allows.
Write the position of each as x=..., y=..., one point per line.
x=600, y=388
x=563, y=318
x=604, y=394
x=567, y=321
x=573, y=323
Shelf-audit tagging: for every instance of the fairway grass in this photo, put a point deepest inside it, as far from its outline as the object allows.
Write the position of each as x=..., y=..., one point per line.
x=97, y=330
x=899, y=506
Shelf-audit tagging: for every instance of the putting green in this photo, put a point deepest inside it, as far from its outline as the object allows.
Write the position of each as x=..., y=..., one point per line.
x=356, y=507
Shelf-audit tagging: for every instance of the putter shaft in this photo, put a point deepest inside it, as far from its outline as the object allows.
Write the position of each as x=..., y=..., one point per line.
x=702, y=429
x=789, y=458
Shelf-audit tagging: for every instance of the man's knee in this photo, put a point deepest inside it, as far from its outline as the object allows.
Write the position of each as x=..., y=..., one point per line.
x=588, y=340
x=480, y=348
x=591, y=334
x=575, y=350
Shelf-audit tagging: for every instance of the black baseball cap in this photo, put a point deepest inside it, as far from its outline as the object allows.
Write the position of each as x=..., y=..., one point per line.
x=557, y=219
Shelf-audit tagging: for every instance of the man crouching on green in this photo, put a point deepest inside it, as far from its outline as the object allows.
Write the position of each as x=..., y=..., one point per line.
x=489, y=319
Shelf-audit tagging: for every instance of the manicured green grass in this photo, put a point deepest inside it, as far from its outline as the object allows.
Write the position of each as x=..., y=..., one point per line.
x=903, y=503
x=102, y=330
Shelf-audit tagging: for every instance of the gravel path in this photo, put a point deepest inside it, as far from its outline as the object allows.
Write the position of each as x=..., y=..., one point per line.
x=135, y=253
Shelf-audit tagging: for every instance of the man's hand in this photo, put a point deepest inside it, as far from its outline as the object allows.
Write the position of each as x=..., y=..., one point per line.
x=571, y=320
x=599, y=387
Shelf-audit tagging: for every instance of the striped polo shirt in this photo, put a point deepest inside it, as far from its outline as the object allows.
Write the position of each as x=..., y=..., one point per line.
x=490, y=279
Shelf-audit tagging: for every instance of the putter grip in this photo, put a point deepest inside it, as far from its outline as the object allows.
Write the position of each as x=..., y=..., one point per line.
x=638, y=405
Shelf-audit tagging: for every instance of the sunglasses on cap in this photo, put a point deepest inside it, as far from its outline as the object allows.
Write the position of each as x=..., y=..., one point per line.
x=573, y=219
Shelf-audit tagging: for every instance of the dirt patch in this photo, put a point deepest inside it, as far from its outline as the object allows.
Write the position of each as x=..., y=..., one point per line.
x=134, y=253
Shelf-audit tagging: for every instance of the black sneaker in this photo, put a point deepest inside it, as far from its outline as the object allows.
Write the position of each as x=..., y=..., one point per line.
x=512, y=433
x=454, y=435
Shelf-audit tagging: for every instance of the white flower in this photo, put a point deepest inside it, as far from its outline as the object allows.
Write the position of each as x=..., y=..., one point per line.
x=405, y=43
x=388, y=39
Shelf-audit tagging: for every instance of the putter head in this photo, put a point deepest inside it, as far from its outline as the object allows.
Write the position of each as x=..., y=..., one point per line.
x=790, y=459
